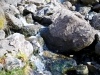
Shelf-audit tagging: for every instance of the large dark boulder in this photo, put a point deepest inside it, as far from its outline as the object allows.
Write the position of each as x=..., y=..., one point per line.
x=69, y=32
x=90, y=2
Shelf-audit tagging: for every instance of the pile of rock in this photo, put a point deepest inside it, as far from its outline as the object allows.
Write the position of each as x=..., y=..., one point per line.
x=69, y=26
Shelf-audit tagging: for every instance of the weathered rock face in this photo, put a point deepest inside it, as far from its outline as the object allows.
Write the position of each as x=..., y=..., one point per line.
x=97, y=48
x=37, y=2
x=30, y=30
x=96, y=7
x=96, y=21
x=90, y=1
x=37, y=43
x=9, y=8
x=69, y=32
x=68, y=5
x=13, y=22
x=58, y=64
x=30, y=8
x=15, y=44
x=29, y=19
x=2, y=34
x=84, y=10
x=21, y=9
x=90, y=15
x=13, y=2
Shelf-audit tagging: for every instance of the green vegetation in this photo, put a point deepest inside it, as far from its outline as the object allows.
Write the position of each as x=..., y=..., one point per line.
x=2, y=22
x=23, y=71
x=22, y=56
x=13, y=72
x=2, y=19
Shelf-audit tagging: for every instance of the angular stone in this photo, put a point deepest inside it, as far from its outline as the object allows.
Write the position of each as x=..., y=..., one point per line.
x=13, y=22
x=31, y=8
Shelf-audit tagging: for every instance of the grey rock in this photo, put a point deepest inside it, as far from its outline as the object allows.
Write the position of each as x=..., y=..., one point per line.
x=32, y=8
x=84, y=10
x=93, y=67
x=9, y=8
x=73, y=8
x=12, y=63
x=29, y=19
x=96, y=7
x=15, y=44
x=90, y=1
x=96, y=21
x=69, y=32
x=43, y=15
x=32, y=72
x=12, y=2
x=37, y=42
x=97, y=37
x=90, y=15
x=47, y=9
x=97, y=48
x=2, y=51
x=58, y=64
x=68, y=5
x=37, y=2
x=34, y=42
x=12, y=9
x=21, y=9
x=82, y=69
x=30, y=30
x=13, y=22
x=2, y=34
x=18, y=41
x=38, y=63
x=1, y=67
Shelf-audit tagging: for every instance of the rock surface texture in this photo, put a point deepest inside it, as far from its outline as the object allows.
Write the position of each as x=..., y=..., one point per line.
x=68, y=32
x=15, y=44
x=90, y=1
x=96, y=21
